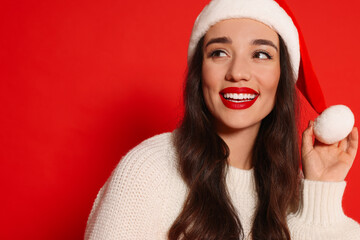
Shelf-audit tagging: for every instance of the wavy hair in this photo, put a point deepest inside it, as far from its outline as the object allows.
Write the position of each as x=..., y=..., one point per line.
x=202, y=163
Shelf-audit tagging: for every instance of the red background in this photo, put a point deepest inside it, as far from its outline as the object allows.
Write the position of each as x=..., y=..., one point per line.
x=82, y=82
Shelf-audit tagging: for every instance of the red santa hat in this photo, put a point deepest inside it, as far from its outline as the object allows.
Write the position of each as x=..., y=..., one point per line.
x=336, y=122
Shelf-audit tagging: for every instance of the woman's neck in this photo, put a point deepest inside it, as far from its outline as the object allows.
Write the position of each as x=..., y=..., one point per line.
x=240, y=143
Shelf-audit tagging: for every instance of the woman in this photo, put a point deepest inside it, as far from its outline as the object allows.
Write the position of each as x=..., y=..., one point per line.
x=231, y=169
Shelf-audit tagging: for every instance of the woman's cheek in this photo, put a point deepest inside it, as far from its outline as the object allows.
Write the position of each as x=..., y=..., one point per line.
x=208, y=96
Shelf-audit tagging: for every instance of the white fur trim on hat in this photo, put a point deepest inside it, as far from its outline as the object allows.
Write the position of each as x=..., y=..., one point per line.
x=266, y=11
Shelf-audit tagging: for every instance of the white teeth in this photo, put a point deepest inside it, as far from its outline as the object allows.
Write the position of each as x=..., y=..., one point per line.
x=239, y=96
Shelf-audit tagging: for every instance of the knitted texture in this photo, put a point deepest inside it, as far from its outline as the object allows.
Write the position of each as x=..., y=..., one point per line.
x=145, y=194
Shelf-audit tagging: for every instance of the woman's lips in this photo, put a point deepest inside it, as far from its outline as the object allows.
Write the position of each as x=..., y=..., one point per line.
x=238, y=98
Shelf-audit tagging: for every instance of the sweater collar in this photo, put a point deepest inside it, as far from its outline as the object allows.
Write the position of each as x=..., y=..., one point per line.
x=240, y=180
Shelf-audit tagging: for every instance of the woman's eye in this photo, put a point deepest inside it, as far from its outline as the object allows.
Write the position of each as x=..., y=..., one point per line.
x=218, y=53
x=262, y=55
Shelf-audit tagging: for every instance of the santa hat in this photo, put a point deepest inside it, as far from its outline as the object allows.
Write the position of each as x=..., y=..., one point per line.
x=337, y=121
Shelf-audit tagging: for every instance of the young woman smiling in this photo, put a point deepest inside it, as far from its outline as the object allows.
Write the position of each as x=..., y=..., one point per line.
x=244, y=64
x=231, y=169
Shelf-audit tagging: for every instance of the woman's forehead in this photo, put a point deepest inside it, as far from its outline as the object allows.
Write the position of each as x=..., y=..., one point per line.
x=241, y=28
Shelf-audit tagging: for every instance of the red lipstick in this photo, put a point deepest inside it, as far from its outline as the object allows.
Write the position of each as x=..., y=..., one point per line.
x=233, y=103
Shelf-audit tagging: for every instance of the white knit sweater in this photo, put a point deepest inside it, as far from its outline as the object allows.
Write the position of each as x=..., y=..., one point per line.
x=145, y=194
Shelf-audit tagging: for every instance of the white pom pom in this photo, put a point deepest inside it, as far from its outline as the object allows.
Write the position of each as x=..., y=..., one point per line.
x=334, y=124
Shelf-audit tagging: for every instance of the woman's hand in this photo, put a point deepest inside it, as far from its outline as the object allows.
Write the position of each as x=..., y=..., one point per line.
x=328, y=163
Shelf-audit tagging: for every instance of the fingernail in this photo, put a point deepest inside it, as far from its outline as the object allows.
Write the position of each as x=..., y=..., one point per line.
x=311, y=123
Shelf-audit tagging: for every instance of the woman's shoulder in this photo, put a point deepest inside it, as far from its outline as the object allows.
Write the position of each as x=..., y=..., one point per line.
x=158, y=144
x=154, y=149
x=152, y=159
x=142, y=191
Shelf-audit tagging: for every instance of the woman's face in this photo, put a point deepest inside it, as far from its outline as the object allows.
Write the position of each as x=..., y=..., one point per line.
x=240, y=72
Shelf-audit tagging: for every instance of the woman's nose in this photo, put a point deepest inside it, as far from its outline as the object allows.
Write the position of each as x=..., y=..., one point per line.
x=239, y=69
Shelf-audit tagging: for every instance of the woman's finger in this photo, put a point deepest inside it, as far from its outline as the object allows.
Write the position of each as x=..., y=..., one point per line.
x=353, y=142
x=343, y=144
x=307, y=138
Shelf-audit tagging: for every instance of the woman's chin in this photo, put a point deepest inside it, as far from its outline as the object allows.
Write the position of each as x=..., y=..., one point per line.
x=228, y=127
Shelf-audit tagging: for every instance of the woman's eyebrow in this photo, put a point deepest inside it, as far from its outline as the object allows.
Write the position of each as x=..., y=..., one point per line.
x=264, y=42
x=218, y=40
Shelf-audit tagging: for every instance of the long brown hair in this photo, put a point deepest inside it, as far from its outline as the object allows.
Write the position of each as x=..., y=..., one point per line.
x=207, y=212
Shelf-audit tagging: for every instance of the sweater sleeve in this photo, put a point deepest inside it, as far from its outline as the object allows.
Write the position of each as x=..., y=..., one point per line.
x=128, y=206
x=320, y=216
